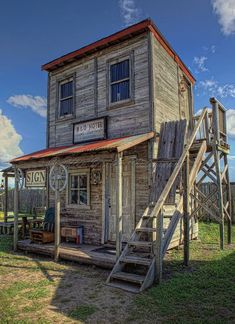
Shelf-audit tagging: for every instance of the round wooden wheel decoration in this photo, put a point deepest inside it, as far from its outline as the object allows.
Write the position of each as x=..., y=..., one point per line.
x=20, y=178
x=58, y=177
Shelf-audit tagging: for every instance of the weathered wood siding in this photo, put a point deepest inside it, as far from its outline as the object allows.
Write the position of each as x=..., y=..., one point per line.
x=169, y=103
x=91, y=93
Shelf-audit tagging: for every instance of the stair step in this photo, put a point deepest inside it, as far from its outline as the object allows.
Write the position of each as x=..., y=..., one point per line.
x=146, y=229
x=166, y=215
x=136, y=260
x=148, y=217
x=129, y=277
x=140, y=243
x=125, y=286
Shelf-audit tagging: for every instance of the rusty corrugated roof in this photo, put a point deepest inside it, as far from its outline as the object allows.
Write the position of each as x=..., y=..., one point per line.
x=118, y=144
x=121, y=35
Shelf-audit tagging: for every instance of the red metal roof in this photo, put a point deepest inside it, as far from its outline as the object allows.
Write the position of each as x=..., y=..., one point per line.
x=118, y=144
x=123, y=34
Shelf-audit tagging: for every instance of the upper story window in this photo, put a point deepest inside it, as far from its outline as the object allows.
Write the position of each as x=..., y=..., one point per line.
x=66, y=89
x=120, y=81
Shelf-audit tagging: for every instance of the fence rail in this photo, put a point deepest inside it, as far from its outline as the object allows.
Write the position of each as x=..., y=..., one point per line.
x=28, y=200
x=208, y=188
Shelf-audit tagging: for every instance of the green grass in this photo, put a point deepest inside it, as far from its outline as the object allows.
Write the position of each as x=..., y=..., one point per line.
x=202, y=293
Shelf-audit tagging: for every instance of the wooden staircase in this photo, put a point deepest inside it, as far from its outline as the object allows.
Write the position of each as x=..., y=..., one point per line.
x=140, y=263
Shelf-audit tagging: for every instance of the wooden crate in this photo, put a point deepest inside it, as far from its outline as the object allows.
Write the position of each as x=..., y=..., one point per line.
x=42, y=237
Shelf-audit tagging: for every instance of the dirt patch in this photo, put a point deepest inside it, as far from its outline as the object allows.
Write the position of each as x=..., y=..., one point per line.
x=60, y=292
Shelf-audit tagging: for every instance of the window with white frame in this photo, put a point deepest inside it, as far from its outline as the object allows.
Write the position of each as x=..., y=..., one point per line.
x=120, y=81
x=79, y=189
x=66, y=97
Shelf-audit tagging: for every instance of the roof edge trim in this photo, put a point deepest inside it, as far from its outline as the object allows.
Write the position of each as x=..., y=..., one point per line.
x=140, y=27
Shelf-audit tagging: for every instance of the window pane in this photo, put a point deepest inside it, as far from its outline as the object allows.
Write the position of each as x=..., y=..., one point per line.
x=120, y=91
x=66, y=90
x=66, y=107
x=74, y=181
x=119, y=71
x=83, y=181
x=83, y=197
x=74, y=197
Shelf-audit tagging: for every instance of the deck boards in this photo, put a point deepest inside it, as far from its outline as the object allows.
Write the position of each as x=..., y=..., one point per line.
x=80, y=253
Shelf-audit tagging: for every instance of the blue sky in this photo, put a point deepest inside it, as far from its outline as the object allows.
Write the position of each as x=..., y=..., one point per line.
x=32, y=33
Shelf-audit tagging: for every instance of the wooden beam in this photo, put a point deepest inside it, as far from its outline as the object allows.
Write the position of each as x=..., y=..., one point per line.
x=229, y=200
x=215, y=115
x=220, y=194
x=104, y=198
x=139, y=139
x=16, y=209
x=119, y=205
x=57, y=222
x=6, y=199
x=186, y=210
x=158, y=248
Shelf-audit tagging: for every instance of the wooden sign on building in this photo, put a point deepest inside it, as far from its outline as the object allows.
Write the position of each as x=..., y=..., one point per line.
x=89, y=130
x=35, y=178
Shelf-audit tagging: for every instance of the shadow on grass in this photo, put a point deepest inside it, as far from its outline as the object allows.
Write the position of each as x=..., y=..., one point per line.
x=202, y=292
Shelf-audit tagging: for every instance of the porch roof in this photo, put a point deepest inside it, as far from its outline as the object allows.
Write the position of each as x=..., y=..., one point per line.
x=115, y=144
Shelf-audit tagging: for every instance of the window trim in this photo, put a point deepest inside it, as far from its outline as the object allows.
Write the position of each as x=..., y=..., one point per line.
x=130, y=100
x=68, y=191
x=59, y=83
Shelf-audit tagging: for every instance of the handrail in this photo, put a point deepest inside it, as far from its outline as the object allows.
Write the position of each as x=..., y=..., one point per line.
x=178, y=167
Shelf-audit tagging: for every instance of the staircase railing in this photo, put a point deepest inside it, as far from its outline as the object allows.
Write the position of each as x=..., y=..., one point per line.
x=156, y=210
x=161, y=200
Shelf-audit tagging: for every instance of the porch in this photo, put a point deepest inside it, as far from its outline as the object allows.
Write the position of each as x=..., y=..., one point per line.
x=103, y=256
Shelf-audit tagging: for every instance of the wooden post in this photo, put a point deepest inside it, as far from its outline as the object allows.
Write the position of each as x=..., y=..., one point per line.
x=57, y=221
x=220, y=195
x=119, y=205
x=186, y=210
x=16, y=205
x=229, y=199
x=47, y=188
x=215, y=115
x=6, y=198
x=158, y=247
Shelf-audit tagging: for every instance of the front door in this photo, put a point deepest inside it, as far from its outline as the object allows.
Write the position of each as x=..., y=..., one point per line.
x=128, y=200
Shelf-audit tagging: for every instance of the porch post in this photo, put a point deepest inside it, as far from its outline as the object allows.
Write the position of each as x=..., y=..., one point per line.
x=119, y=205
x=6, y=198
x=16, y=205
x=57, y=221
x=186, y=210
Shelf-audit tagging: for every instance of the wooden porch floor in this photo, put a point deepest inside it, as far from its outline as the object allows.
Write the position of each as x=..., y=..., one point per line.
x=84, y=254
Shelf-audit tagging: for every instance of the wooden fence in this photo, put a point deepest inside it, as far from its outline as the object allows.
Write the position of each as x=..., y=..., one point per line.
x=28, y=199
x=208, y=188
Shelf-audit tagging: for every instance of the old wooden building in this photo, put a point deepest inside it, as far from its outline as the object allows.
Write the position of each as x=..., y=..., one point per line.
x=106, y=104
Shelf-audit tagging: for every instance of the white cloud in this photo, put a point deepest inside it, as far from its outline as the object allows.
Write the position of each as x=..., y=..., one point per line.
x=37, y=104
x=227, y=90
x=231, y=157
x=129, y=12
x=230, y=118
x=209, y=85
x=230, y=115
x=199, y=61
x=10, y=141
x=213, y=88
x=225, y=9
x=213, y=49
